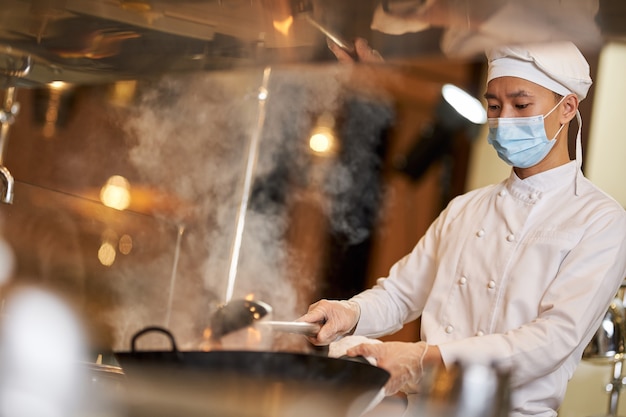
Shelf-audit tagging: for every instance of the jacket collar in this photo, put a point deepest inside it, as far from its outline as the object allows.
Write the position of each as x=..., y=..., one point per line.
x=533, y=187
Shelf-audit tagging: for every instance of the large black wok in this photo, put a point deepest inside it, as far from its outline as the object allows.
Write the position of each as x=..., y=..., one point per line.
x=246, y=383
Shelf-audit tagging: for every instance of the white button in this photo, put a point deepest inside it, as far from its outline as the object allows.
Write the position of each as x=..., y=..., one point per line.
x=449, y=329
x=480, y=233
x=491, y=285
x=462, y=281
x=480, y=333
x=502, y=193
x=510, y=237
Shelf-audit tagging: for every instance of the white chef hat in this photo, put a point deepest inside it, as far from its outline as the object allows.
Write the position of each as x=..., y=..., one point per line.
x=557, y=66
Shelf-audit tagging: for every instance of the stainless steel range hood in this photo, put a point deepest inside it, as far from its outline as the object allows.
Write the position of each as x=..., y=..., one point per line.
x=99, y=40
x=88, y=41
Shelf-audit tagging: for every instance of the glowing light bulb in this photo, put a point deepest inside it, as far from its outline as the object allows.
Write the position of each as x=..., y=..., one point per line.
x=106, y=254
x=58, y=85
x=125, y=244
x=322, y=141
x=116, y=193
x=466, y=105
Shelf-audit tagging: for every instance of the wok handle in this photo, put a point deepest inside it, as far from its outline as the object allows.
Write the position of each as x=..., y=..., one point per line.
x=150, y=329
x=359, y=358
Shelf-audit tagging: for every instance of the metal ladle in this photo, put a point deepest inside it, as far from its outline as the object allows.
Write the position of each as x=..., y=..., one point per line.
x=239, y=314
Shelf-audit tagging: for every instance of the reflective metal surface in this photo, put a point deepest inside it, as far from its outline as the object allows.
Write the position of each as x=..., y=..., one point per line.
x=608, y=342
x=608, y=346
x=241, y=383
x=465, y=390
x=7, y=117
x=85, y=41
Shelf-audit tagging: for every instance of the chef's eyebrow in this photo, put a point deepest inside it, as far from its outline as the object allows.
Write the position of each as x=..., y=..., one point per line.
x=515, y=94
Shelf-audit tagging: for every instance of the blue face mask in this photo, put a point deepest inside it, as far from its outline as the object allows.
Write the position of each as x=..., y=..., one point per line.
x=521, y=141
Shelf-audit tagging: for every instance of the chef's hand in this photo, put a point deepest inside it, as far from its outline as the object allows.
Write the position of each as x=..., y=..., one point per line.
x=364, y=53
x=404, y=361
x=336, y=317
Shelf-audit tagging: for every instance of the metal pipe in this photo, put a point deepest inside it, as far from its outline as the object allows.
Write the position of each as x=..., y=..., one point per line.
x=616, y=386
x=173, y=276
x=253, y=151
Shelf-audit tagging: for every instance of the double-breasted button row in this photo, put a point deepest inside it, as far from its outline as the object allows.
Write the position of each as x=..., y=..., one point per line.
x=463, y=281
x=510, y=237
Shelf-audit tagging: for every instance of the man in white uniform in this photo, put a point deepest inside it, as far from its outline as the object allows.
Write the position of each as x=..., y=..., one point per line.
x=520, y=273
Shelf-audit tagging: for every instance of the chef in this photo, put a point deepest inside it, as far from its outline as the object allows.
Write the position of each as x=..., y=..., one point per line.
x=521, y=272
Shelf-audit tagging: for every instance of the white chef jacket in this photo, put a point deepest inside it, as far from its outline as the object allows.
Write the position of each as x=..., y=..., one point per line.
x=520, y=273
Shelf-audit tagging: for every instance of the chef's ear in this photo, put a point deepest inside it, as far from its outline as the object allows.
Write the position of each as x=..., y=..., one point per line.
x=569, y=108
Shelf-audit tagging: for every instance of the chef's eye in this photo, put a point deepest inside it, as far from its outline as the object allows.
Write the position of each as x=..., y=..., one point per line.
x=493, y=107
x=521, y=106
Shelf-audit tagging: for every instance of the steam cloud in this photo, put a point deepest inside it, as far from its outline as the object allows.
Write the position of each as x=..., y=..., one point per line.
x=191, y=136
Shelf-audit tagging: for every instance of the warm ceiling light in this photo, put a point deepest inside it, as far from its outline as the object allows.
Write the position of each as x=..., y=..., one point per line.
x=465, y=104
x=283, y=26
x=106, y=254
x=125, y=245
x=58, y=85
x=322, y=141
x=116, y=193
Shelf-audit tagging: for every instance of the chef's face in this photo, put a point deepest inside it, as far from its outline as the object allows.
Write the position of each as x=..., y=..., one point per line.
x=516, y=97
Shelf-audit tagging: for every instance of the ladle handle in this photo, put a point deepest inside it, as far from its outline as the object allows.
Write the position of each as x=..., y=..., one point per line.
x=297, y=327
x=359, y=358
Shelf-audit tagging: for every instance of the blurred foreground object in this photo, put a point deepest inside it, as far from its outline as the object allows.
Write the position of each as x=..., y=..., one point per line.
x=465, y=390
x=41, y=350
